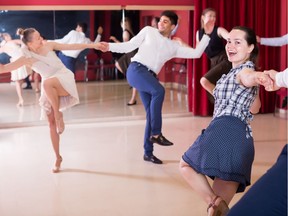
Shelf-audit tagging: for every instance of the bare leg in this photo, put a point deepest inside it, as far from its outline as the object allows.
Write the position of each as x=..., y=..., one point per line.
x=225, y=189
x=54, y=90
x=134, y=90
x=118, y=67
x=55, y=139
x=207, y=85
x=197, y=181
x=216, y=204
x=36, y=81
x=19, y=92
x=133, y=97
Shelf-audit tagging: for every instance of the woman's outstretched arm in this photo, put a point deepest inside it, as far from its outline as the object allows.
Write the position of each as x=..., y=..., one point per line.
x=16, y=64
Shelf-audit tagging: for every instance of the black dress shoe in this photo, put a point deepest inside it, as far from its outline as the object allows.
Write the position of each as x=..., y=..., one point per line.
x=28, y=87
x=131, y=104
x=152, y=159
x=161, y=140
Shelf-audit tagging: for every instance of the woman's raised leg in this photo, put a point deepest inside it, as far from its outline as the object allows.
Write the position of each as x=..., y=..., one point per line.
x=54, y=90
x=197, y=181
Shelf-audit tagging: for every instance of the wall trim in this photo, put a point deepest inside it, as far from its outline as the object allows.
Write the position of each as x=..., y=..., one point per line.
x=95, y=7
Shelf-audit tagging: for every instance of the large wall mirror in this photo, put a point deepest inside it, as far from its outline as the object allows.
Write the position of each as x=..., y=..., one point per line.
x=56, y=24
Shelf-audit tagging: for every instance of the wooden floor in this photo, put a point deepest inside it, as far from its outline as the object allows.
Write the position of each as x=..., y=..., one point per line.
x=103, y=172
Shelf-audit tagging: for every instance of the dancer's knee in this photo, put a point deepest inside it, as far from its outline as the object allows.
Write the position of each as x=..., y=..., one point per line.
x=183, y=167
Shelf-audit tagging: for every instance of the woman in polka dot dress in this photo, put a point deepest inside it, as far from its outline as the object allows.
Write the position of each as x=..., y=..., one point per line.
x=225, y=149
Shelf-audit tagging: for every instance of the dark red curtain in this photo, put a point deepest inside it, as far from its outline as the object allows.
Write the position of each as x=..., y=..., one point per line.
x=261, y=15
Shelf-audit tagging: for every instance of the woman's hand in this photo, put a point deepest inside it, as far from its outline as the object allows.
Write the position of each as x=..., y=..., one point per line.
x=272, y=76
x=103, y=46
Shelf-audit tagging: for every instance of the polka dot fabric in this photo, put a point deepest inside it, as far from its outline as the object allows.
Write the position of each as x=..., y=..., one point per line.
x=223, y=151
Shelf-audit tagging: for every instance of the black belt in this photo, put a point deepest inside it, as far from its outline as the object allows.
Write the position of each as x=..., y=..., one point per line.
x=149, y=70
x=153, y=73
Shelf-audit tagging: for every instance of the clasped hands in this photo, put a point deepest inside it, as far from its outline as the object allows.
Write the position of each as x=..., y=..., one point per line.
x=268, y=80
x=102, y=46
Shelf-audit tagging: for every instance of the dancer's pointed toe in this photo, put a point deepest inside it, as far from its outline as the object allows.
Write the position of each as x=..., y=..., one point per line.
x=57, y=167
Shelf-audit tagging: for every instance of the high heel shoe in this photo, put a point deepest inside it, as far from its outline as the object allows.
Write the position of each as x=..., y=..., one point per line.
x=60, y=124
x=57, y=167
x=218, y=207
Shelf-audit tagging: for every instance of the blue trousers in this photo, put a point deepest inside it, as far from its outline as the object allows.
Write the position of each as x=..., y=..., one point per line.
x=152, y=94
x=268, y=196
x=69, y=62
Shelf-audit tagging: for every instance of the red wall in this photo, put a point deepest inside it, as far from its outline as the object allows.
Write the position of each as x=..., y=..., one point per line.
x=284, y=30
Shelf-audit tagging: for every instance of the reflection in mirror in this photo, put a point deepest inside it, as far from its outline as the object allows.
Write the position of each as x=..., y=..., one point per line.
x=97, y=99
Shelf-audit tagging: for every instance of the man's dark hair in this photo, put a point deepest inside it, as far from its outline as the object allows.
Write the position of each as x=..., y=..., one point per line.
x=83, y=26
x=171, y=15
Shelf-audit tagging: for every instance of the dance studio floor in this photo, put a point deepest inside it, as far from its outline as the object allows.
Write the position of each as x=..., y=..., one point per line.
x=103, y=172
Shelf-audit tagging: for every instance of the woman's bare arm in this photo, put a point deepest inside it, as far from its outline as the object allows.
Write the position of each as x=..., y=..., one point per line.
x=249, y=78
x=16, y=64
x=256, y=105
x=60, y=46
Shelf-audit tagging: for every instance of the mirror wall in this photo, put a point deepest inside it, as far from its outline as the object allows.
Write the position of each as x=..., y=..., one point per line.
x=93, y=96
x=56, y=24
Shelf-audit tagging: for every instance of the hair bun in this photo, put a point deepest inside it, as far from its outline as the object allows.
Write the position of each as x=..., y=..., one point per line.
x=20, y=31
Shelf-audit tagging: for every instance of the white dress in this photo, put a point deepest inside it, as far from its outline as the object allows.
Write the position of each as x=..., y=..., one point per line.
x=50, y=66
x=15, y=52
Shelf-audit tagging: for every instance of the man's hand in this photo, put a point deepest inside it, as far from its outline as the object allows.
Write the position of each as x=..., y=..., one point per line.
x=272, y=76
x=103, y=46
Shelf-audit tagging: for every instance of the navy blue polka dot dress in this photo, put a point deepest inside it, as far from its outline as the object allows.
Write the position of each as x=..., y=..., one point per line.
x=225, y=149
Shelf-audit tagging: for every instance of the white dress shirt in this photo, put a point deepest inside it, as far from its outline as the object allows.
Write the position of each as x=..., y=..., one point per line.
x=275, y=41
x=282, y=78
x=154, y=49
x=75, y=37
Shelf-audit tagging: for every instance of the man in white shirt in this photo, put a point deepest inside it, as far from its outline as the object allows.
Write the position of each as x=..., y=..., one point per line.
x=154, y=48
x=68, y=57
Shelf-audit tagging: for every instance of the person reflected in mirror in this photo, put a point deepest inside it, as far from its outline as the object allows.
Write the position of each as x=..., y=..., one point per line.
x=13, y=49
x=69, y=57
x=123, y=62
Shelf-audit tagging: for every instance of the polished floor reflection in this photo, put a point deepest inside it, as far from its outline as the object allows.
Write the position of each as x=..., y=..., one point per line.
x=98, y=101
x=103, y=172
